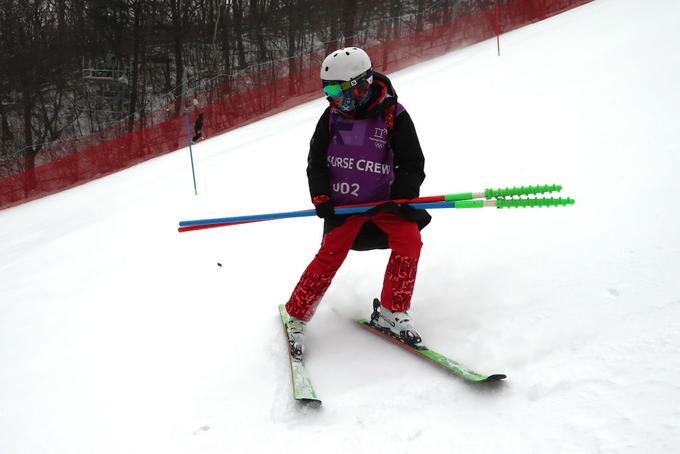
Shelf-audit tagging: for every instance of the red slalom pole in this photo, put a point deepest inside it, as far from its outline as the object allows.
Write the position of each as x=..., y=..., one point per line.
x=191, y=228
x=188, y=226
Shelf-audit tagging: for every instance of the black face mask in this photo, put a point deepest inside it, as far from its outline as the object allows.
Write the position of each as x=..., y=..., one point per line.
x=355, y=97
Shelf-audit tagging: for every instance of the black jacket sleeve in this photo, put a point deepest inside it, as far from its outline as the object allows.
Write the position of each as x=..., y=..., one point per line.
x=317, y=170
x=409, y=162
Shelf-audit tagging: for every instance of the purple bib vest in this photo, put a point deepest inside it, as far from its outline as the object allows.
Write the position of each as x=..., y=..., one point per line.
x=359, y=159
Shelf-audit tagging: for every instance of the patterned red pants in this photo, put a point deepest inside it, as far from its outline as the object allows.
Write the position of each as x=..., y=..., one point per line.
x=400, y=277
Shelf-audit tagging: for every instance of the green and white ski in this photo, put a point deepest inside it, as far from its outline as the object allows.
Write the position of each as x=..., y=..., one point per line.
x=432, y=355
x=303, y=391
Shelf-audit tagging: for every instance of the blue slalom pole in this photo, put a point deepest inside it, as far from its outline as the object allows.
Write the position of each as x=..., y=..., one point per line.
x=191, y=154
x=301, y=213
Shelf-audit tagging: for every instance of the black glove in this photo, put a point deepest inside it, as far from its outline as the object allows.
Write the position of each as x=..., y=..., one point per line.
x=325, y=209
x=407, y=210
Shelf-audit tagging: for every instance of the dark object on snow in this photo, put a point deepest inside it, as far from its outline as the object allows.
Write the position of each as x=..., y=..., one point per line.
x=198, y=126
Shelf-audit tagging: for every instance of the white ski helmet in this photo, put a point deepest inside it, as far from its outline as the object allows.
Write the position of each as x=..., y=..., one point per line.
x=345, y=64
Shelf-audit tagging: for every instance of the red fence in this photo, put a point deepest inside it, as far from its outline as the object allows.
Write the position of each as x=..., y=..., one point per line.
x=257, y=94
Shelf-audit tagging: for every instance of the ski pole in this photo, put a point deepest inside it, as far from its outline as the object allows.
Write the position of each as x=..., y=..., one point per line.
x=420, y=203
x=191, y=154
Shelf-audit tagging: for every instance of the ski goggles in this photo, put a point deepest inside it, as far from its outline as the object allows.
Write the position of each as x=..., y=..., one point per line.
x=335, y=88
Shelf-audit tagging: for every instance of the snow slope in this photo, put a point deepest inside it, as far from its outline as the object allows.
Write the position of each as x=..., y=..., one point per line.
x=119, y=335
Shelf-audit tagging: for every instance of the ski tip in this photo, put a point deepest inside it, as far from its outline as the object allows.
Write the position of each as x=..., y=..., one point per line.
x=311, y=403
x=494, y=377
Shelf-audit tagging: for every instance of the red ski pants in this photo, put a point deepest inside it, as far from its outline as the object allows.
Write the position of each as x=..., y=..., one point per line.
x=400, y=276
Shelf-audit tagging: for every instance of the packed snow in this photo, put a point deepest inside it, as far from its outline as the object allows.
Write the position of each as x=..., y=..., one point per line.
x=120, y=335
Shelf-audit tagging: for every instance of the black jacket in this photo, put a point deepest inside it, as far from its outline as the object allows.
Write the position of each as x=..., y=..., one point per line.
x=199, y=123
x=409, y=164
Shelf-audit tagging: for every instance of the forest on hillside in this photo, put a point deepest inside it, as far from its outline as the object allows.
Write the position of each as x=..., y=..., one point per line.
x=72, y=68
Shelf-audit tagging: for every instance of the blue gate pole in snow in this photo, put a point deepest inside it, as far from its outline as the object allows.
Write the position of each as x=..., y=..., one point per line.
x=191, y=154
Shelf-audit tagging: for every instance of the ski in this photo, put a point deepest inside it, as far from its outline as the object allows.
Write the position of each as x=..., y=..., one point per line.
x=303, y=391
x=427, y=353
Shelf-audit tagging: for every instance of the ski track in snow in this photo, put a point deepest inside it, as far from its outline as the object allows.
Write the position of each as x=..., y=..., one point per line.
x=119, y=335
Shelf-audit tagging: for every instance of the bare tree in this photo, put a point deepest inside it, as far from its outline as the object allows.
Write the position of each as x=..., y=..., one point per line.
x=72, y=68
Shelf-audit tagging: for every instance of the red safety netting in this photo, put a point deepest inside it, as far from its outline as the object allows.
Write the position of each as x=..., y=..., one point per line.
x=256, y=94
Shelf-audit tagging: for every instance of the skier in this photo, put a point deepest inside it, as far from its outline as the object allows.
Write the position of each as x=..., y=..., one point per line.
x=198, y=126
x=364, y=149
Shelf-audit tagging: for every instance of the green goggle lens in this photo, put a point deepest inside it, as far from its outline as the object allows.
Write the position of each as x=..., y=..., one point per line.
x=333, y=90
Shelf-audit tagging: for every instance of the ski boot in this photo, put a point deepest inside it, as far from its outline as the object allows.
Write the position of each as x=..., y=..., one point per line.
x=396, y=324
x=296, y=336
